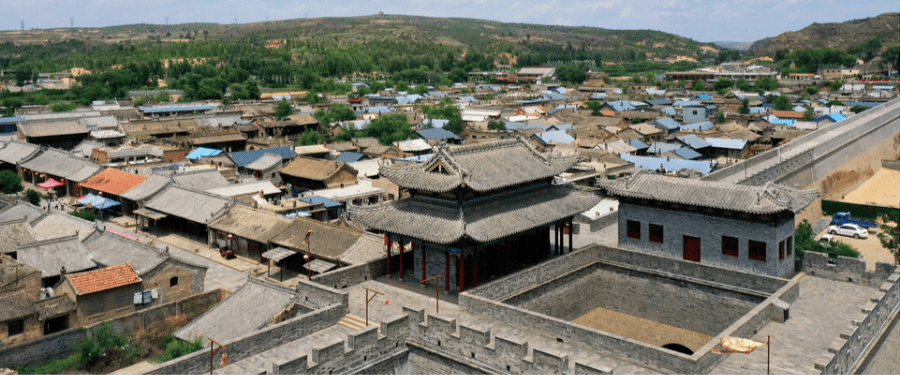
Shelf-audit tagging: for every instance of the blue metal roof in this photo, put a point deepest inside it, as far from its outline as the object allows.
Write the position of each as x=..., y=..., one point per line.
x=687, y=153
x=553, y=111
x=243, y=158
x=662, y=147
x=835, y=117
x=655, y=102
x=636, y=143
x=10, y=120
x=706, y=125
x=203, y=151
x=703, y=97
x=666, y=123
x=673, y=165
x=177, y=108
x=621, y=105
x=436, y=133
x=531, y=101
x=315, y=199
x=727, y=143
x=686, y=103
x=776, y=120
x=382, y=99
x=556, y=136
x=379, y=109
x=417, y=158
x=349, y=157
x=668, y=111
x=553, y=96
x=693, y=141
x=864, y=104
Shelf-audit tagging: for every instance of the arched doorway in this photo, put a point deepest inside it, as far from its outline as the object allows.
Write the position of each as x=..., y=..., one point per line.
x=679, y=348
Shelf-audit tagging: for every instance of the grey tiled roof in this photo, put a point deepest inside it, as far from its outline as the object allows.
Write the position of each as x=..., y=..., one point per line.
x=13, y=234
x=51, y=255
x=192, y=205
x=201, y=180
x=247, y=310
x=719, y=195
x=482, y=167
x=16, y=151
x=56, y=224
x=62, y=164
x=482, y=220
x=368, y=248
x=247, y=222
x=148, y=188
x=53, y=307
x=15, y=306
x=20, y=210
x=327, y=241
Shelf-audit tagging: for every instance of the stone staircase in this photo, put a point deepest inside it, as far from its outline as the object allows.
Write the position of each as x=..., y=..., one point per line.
x=353, y=323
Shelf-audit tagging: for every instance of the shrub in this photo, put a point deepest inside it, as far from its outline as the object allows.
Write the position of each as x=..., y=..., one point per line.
x=33, y=196
x=10, y=182
x=174, y=348
x=63, y=107
x=89, y=215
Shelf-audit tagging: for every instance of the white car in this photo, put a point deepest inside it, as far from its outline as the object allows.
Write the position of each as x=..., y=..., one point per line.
x=849, y=230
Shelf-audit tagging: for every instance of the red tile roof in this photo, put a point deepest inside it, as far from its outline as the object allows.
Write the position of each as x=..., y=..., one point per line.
x=113, y=181
x=608, y=113
x=103, y=279
x=788, y=114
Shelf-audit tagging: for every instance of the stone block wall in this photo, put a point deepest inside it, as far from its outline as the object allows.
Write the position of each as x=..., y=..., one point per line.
x=257, y=342
x=343, y=277
x=710, y=230
x=478, y=347
x=60, y=344
x=319, y=296
x=845, y=269
x=849, y=351
x=530, y=277
x=361, y=348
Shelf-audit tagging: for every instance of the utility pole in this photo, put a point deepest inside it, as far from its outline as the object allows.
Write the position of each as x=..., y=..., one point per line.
x=23, y=25
x=72, y=22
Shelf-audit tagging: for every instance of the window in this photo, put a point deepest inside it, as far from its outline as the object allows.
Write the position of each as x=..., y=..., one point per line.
x=790, y=246
x=757, y=250
x=634, y=229
x=781, y=251
x=691, y=247
x=15, y=327
x=173, y=281
x=656, y=233
x=729, y=246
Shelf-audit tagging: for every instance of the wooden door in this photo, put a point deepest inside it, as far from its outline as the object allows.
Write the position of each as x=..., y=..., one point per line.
x=691, y=248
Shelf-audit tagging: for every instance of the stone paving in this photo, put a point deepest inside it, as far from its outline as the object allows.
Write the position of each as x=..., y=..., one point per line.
x=824, y=309
x=291, y=350
x=401, y=296
x=217, y=276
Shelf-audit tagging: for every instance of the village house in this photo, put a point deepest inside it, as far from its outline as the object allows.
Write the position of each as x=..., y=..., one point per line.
x=62, y=169
x=63, y=134
x=247, y=231
x=310, y=174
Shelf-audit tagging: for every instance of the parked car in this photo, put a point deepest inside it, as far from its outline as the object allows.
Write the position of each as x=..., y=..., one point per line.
x=849, y=230
x=826, y=238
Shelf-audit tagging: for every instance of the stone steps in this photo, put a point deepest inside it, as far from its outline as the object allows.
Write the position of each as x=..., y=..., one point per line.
x=354, y=323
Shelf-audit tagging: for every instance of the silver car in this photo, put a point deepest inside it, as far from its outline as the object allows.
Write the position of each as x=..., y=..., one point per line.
x=849, y=230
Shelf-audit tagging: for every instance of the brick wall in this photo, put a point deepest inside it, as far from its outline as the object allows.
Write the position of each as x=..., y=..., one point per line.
x=849, y=351
x=710, y=230
x=343, y=277
x=845, y=269
x=60, y=344
x=320, y=296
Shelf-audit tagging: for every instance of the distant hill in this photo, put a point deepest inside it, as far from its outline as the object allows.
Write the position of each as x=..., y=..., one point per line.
x=514, y=38
x=842, y=36
x=740, y=46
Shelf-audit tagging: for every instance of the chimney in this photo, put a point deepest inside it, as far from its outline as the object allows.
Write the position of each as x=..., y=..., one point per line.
x=62, y=271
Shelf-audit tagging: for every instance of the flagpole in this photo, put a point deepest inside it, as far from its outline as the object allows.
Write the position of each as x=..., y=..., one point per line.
x=768, y=352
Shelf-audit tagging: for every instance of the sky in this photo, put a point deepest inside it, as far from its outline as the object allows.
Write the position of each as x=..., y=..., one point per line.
x=702, y=20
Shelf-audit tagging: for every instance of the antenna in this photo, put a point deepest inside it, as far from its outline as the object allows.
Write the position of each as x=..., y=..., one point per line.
x=23, y=25
x=72, y=22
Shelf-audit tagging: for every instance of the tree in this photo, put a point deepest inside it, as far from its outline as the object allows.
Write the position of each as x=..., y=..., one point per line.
x=309, y=137
x=10, y=182
x=858, y=108
x=720, y=117
x=311, y=98
x=780, y=103
x=390, y=128
x=836, y=85
x=338, y=112
x=764, y=84
x=446, y=110
x=743, y=85
x=33, y=196
x=723, y=84
x=283, y=109
x=890, y=237
x=594, y=106
x=63, y=107
x=808, y=115
x=834, y=102
x=699, y=86
x=348, y=132
x=496, y=125
x=745, y=107
x=252, y=89
x=11, y=103
x=804, y=241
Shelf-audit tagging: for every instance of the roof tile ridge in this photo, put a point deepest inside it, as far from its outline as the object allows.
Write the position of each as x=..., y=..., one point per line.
x=51, y=241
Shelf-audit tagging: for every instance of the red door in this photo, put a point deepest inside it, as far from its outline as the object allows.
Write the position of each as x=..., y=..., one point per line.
x=692, y=248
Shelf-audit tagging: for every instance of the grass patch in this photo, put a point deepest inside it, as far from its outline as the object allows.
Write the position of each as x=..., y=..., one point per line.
x=174, y=348
x=89, y=215
x=52, y=366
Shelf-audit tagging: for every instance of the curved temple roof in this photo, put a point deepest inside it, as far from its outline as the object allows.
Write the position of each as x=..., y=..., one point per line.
x=482, y=167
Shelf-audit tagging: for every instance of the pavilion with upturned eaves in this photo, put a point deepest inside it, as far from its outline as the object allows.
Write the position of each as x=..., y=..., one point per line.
x=478, y=211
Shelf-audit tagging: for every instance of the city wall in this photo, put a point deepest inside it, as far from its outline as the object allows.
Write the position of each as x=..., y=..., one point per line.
x=857, y=341
x=351, y=275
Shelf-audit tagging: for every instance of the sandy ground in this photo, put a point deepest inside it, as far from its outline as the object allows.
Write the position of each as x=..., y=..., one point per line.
x=641, y=329
x=870, y=248
x=881, y=189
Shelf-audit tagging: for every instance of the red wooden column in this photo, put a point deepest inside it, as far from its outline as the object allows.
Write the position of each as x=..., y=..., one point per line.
x=475, y=270
x=571, y=231
x=422, y=250
x=400, y=243
x=387, y=245
x=462, y=273
x=446, y=271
